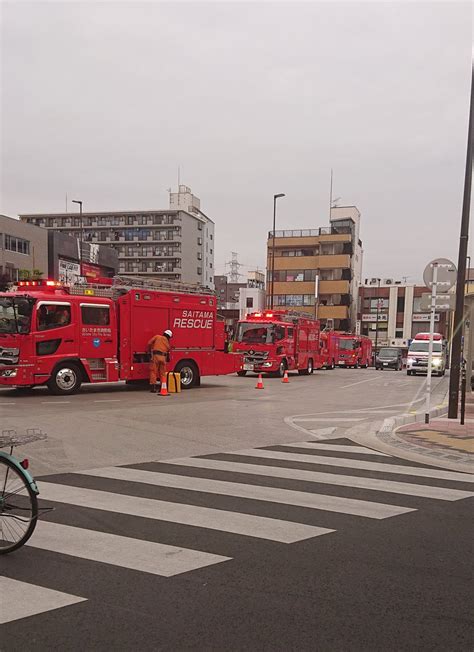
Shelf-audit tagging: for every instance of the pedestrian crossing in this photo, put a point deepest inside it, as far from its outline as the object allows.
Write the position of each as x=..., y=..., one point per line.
x=201, y=512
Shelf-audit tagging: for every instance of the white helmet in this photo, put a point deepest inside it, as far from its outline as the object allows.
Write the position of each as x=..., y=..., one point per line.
x=168, y=333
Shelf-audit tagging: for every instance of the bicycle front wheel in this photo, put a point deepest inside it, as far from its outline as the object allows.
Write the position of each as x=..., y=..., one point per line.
x=18, y=507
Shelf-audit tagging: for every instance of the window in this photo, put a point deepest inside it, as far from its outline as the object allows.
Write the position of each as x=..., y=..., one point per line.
x=199, y=271
x=210, y=265
x=290, y=333
x=199, y=226
x=199, y=255
x=53, y=315
x=17, y=244
x=249, y=302
x=199, y=241
x=211, y=236
x=295, y=275
x=310, y=274
x=294, y=299
x=95, y=315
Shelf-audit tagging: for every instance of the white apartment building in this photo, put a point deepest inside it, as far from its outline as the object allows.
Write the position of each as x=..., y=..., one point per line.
x=174, y=244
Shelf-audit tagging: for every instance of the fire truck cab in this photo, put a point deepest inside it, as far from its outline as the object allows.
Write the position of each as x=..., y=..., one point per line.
x=64, y=336
x=277, y=341
x=354, y=350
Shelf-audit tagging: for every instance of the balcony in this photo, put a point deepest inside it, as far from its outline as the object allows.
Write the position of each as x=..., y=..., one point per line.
x=333, y=312
x=334, y=287
x=293, y=287
x=334, y=261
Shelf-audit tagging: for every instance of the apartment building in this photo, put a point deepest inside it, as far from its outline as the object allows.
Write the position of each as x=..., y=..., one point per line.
x=318, y=269
x=23, y=248
x=392, y=312
x=174, y=244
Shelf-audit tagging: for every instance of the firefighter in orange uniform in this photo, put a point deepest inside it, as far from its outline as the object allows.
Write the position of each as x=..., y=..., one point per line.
x=159, y=347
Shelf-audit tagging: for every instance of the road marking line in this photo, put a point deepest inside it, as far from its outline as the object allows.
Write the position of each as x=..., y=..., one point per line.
x=2, y=404
x=326, y=419
x=54, y=402
x=437, y=474
x=108, y=400
x=126, y=552
x=22, y=600
x=254, y=492
x=359, y=382
x=248, y=525
x=333, y=447
x=406, y=488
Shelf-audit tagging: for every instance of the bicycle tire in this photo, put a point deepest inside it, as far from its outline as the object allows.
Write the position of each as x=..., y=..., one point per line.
x=33, y=503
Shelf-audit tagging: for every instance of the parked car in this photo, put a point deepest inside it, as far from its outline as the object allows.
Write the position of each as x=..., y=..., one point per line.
x=389, y=358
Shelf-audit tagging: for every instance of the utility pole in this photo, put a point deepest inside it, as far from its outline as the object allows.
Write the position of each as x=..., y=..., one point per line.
x=461, y=277
x=429, y=371
x=377, y=321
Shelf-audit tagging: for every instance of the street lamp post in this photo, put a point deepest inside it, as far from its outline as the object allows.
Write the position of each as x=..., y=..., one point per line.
x=377, y=321
x=275, y=197
x=81, y=226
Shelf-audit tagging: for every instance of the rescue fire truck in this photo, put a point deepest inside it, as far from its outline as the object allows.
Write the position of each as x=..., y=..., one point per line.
x=277, y=341
x=329, y=348
x=353, y=350
x=63, y=336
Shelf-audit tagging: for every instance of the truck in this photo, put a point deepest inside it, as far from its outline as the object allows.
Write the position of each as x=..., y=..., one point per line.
x=417, y=360
x=276, y=341
x=329, y=340
x=353, y=350
x=63, y=336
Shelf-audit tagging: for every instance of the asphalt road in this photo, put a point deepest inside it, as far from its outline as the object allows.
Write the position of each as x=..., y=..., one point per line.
x=206, y=521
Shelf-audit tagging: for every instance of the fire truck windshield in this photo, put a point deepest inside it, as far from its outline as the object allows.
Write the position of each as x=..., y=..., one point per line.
x=15, y=314
x=347, y=345
x=251, y=333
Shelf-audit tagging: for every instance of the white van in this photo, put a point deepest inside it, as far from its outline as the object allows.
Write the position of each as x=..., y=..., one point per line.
x=417, y=361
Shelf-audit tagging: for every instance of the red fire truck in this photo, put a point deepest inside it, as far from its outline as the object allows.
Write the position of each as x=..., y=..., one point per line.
x=64, y=336
x=353, y=350
x=329, y=348
x=278, y=341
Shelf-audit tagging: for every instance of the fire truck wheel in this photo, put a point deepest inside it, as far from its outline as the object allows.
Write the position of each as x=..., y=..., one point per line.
x=241, y=373
x=66, y=379
x=308, y=370
x=189, y=373
x=281, y=369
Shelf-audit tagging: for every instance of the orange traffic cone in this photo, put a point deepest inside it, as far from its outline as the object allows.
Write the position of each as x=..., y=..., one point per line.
x=259, y=384
x=164, y=388
x=285, y=378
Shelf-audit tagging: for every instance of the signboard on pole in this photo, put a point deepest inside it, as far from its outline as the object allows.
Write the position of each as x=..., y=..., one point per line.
x=68, y=271
x=443, y=301
x=446, y=274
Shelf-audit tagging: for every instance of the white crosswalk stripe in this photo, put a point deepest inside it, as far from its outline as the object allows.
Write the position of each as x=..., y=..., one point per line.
x=437, y=474
x=340, y=448
x=255, y=492
x=389, y=486
x=136, y=554
x=213, y=519
x=20, y=600
x=121, y=549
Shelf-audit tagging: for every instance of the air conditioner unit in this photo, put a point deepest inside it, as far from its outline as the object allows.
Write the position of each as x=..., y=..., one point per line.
x=373, y=281
x=388, y=281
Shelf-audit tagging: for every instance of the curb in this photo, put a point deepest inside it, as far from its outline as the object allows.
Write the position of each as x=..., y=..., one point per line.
x=383, y=437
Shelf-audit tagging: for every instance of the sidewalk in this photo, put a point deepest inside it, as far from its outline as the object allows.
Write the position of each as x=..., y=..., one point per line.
x=443, y=434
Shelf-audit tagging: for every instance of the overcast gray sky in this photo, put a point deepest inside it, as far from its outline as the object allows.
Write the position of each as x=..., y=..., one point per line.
x=105, y=100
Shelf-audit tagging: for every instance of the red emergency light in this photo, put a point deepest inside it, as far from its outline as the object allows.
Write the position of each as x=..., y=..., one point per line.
x=41, y=283
x=268, y=314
